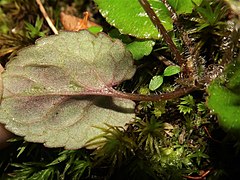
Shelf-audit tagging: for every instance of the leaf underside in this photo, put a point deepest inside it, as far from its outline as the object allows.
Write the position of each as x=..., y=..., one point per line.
x=53, y=90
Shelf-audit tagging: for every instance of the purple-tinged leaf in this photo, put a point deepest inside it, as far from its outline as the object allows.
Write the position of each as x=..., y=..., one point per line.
x=53, y=90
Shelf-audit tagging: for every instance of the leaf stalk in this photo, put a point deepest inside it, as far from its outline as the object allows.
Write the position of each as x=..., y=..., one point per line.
x=158, y=97
x=156, y=21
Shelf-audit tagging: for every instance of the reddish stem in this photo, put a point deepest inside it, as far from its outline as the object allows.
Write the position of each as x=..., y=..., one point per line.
x=156, y=21
x=165, y=96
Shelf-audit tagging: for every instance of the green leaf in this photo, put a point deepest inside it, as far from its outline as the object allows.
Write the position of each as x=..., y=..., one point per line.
x=130, y=18
x=140, y=48
x=51, y=89
x=184, y=6
x=226, y=104
x=95, y=29
x=155, y=82
x=171, y=70
x=224, y=98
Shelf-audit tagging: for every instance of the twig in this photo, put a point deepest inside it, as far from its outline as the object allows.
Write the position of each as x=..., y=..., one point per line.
x=1, y=68
x=45, y=15
x=156, y=21
x=164, y=60
x=209, y=135
x=203, y=176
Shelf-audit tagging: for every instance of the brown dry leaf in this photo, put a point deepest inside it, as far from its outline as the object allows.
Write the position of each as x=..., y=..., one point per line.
x=73, y=23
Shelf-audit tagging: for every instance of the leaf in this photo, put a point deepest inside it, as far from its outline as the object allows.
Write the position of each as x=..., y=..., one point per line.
x=73, y=23
x=171, y=70
x=95, y=29
x=140, y=48
x=184, y=6
x=51, y=89
x=226, y=104
x=155, y=82
x=1, y=85
x=224, y=98
x=130, y=18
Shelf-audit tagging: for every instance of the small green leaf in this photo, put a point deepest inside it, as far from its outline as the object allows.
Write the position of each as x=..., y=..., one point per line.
x=130, y=18
x=140, y=48
x=95, y=29
x=155, y=82
x=184, y=6
x=52, y=89
x=171, y=70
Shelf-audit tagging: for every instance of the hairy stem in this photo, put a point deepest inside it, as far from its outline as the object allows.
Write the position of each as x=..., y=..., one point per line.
x=156, y=21
x=175, y=19
x=192, y=70
x=165, y=96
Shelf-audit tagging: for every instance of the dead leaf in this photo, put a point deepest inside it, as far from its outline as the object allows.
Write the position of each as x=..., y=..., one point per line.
x=73, y=23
